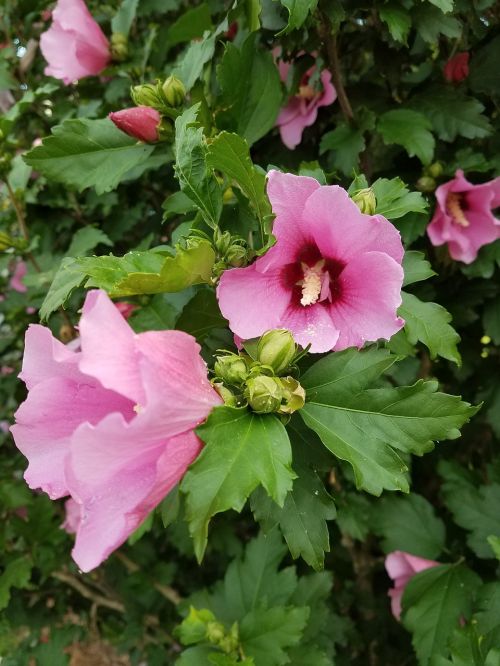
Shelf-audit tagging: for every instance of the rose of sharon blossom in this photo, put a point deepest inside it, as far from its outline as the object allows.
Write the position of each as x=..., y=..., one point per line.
x=110, y=425
x=16, y=281
x=457, y=68
x=333, y=278
x=141, y=122
x=463, y=217
x=301, y=110
x=400, y=568
x=74, y=46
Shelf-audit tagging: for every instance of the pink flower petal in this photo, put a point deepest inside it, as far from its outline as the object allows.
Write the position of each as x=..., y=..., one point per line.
x=311, y=325
x=401, y=567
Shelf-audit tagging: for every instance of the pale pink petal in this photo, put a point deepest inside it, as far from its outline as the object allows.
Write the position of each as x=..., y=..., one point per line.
x=289, y=112
x=341, y=231
x=291, y=132
x=370, y=288
x=16, y=281
x=73, y=516
x=311, y=325
x=46, y=357
x=329, y=94
x=109, y=350
x=401, y=567
x=252, y=302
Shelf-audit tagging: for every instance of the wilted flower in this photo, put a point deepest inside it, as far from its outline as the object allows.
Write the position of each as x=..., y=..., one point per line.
x=110, y=425
x=456, y=69
x=463, y=217
x=400, y=568
x=333, y=278
x=301, y=110
x=74, y=46
x=141, y=122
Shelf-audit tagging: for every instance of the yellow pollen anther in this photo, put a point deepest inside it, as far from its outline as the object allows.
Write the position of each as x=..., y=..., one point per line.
x=307, y=92
x=454, y=206
x=137, y=409
x=311, y=284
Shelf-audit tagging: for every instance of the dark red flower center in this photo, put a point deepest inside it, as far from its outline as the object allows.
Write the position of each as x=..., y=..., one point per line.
x=313, y=278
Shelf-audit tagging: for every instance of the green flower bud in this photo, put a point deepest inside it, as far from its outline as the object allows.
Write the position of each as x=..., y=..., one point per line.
x=215, y=632
x=264, y=394
x=236, y=256
x=435, y=170
x=426, y=184
x=118, y=38
x=119, y=48
x=228, y=396
x=147, y=95
x=174, y=91
x=222, y=241
x=166, y=130
x=365, y=200
x=231, y=369
x=294, y=395
x=276, y=349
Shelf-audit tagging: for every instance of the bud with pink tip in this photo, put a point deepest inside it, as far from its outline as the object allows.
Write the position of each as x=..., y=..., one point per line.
x=141, y=122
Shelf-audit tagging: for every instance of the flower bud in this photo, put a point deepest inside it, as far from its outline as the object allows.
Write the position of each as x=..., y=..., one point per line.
x=277, y=349
x=264, y=394
x=7, y=242
x=174, y=91
x=228, y=396
x=215, y=632
x=365, y=200
x=426, y=184
x=146, y=95
x=294, y=395
x=140, y=122
x=119, y=48
x=231, y=369
x=222, y=241
x=236, y=256
x=434, y=170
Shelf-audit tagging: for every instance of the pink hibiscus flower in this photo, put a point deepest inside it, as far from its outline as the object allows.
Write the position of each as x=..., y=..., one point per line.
x=74, y=46
x=141, y=122
x=456, y=69
x=401, y=567
x=301, y=110
x=110, y=425
x=463, y=217
x=333, y=278
x=16, y=281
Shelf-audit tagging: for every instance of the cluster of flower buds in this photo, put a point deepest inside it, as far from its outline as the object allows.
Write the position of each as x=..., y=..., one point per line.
x=427, y=182
x=7, y=242
x=365, y=200
x=119, y=47
x=259, y=377
x=156, y=102
x=202, y=625
x=231, y=251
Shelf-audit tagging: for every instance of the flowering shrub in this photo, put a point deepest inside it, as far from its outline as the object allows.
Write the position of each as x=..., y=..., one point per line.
x=249, y=333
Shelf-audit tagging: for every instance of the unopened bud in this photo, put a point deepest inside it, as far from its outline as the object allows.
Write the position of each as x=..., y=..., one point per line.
x=226, y=394
x=264, y=394
x=231, y=369
x=222, y=241
x=294, y=395
x=365, y=200
x=276, y=348
x=434, y=170
x=215, y=632
x=66, y=333
x=228, y=195
x=119, y=48
x=236, y=256
x=174, y=91
x=426, y=184
x=146, y=95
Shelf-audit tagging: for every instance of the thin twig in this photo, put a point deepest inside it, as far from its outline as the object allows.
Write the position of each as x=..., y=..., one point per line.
x=165, y=590
x=97, y=599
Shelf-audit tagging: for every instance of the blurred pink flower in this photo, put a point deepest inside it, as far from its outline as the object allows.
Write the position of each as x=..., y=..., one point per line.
x=456, y=69
x=16, y=280
x=141, y=122
x=400, y=568
x=333, y=278
x=125, y=309
x=74, y=46
x=112, y=425
x=463, y=217
x=301, y=110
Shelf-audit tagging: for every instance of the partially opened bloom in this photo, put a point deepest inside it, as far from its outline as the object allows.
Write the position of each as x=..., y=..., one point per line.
x=301, y=110
x=464, y=216
x=333, y=278
x=141, y=122
x=456, y=69
x=401, y=567
x=110, y=424
x=74, y=46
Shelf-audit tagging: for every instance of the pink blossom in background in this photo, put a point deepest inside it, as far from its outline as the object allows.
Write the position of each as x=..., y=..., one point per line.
x=74, y=46
x=333, y=278
x=463, y=218
x=16, y=280
x=456, y=69
x=111, y=425
x=141, y=122
x=126, y=309
x=301, y=110
x=401, y=567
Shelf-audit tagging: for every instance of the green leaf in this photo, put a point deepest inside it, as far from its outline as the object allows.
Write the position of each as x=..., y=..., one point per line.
x=195, y=179
x=247, y=78
x=158, y=315
x=491, y=319
x=230, y=154
x=430, y=22
x=242, y=450
x=487, y=259
x=444, y=5
x=88, y=153
x=433, y=603
x=474, y=508
x=346, y=143
x=341, y=409
x=201, y=315
x=409, y=524
x=397, y=19
x=354, y=515
x=87, y=239
x=395, y=200
x=69, y=276
x=190, y=25
x=484, y=74
x=302, y=519
x=409, y=129
x=266, y=633
x=487, y=613
x=17, y=574
x=124, y=17
x=298, y=11
x=191, y=62
x=453, y=114
x=416, y=268
x=429, y=323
